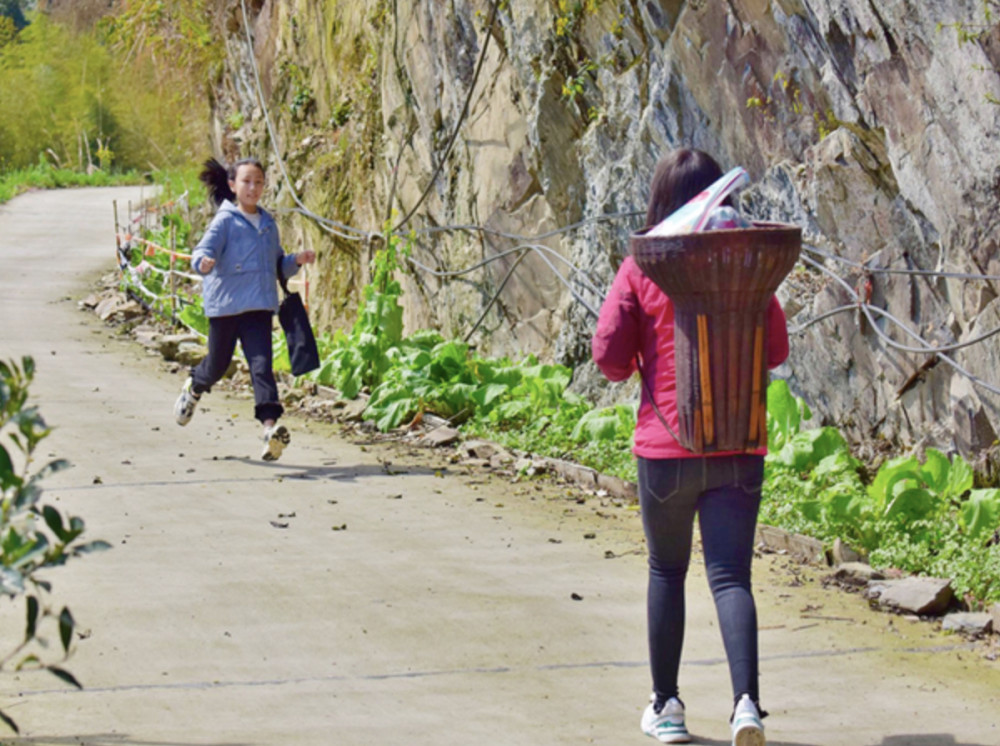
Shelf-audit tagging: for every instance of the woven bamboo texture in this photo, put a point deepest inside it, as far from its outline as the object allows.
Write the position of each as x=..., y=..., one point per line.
x=720, y=283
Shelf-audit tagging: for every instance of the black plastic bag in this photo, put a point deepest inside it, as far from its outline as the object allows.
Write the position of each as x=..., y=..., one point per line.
x=294, y=319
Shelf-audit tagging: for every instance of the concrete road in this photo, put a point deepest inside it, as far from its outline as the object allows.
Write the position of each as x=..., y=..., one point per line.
x=230, y=611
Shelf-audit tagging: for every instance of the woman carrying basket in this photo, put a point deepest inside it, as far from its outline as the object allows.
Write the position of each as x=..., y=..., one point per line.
x=724, y=488
x=239, y=257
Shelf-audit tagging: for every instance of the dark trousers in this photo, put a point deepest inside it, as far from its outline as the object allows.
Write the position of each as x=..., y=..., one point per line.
x=725, y=493
x=253, y=330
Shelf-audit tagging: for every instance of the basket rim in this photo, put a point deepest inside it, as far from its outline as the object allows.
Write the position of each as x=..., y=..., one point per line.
x=757, y=226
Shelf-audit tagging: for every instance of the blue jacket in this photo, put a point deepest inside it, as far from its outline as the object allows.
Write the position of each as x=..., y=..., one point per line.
x=245, y=273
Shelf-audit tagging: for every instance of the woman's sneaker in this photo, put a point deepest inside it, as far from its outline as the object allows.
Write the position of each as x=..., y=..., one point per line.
x=186, y=403
x=748, y=730
x=276, y=438
x=667, y=725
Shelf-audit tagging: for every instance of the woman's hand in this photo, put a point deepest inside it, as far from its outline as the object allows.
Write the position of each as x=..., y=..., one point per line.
x=205, y=265
x=305, y=257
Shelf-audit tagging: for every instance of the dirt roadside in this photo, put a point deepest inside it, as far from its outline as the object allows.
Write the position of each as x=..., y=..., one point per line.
x=335, y=598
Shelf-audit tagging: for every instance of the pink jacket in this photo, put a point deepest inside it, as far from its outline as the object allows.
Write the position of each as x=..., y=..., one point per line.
x=637, y=319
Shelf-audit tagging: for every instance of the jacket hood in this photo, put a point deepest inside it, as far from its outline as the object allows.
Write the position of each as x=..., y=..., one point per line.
x=229, y=206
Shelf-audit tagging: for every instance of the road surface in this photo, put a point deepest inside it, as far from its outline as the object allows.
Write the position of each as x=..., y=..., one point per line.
x=440, y=611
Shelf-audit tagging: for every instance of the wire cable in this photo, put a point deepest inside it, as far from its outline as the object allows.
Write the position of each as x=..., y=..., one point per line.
x=887, y=271
x=331, y=226
x=867, y=309
x=458, y=124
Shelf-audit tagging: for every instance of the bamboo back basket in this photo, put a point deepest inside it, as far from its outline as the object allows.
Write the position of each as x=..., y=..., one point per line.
x=720, y=283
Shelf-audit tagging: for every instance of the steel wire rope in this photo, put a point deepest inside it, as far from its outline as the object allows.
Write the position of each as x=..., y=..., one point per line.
x=904, y=348
x=331, y=226
x=520, y=237
x=539, y=249
x=458, y=124
x=888, y=271
x=867, y=308
x=503, y=283
x=508, y=252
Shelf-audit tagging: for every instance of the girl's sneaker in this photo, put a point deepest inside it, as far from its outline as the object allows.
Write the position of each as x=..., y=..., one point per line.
x=667, y=725
x=186, y=403
x=748, y=730
x=276, y=438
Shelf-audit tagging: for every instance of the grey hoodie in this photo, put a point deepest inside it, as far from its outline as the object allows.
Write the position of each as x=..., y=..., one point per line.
x=245, y=273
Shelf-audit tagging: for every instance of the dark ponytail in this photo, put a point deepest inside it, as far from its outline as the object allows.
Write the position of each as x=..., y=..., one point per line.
x=216, y=177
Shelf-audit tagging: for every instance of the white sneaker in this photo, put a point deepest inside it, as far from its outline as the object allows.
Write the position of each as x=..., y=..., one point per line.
x=748, y=730
x=186, y=403
x=276, y=438
x=667, y=725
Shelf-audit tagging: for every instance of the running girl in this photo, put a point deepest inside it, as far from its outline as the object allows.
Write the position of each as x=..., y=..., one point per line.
x=239, y=256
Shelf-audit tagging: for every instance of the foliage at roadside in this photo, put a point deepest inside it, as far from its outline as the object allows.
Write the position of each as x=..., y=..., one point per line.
x=87, y=99
x=922, y=517
x=34, y=536
x=44, y=175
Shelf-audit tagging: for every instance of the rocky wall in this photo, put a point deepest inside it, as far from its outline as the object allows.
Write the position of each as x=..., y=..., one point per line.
x=871, y=125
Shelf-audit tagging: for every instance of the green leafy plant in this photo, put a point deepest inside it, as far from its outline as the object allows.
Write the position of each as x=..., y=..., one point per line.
x=34, y=537
x=918, y=516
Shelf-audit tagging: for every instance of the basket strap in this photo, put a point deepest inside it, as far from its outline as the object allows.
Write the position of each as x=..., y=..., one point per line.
x=652, y=400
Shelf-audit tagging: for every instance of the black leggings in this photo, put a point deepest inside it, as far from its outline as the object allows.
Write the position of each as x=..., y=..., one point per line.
x=253, y=330
x=725, y=492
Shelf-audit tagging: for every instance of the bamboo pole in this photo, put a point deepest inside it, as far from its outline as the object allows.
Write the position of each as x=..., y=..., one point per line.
x=118, y=239
x=173, y=277
x=705, y=373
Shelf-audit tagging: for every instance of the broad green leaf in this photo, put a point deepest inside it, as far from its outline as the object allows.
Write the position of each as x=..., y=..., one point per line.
x=835, y=464
x=935, y=470
x=324, y=376
x=881, y=487
x=785, y=413
x=351, y=384
x=393, y=414
x=456, y=397
x=486, y=396
x=981, y=513
x=597, y=424
x=811, y=510
x=843, y=507
x=960, y=478
x=425, y=338
x=910, y=504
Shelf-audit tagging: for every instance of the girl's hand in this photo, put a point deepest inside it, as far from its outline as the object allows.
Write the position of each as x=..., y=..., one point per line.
x=305, y=257
x=205, y=265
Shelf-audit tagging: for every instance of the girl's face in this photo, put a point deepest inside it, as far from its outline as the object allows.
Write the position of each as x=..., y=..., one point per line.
x=248, y=186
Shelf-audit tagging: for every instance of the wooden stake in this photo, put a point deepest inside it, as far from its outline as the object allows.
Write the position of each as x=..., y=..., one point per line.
x=705, y=374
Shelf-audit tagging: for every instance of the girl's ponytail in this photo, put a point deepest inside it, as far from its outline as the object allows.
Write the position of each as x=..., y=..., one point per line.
x=215, y=177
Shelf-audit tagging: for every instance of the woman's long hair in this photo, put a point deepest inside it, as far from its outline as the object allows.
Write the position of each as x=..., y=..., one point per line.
x=216, y=177
x=680, y=175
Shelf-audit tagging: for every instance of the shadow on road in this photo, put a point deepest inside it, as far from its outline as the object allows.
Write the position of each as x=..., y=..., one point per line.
x=716, y=742
x=343, y=472
x=926, y=739
x=107, y=739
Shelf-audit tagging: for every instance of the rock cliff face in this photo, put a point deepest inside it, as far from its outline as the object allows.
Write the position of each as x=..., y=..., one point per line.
x=873, y=125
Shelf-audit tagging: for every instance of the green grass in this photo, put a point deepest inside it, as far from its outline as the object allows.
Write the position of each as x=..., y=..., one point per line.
x=44, y=176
